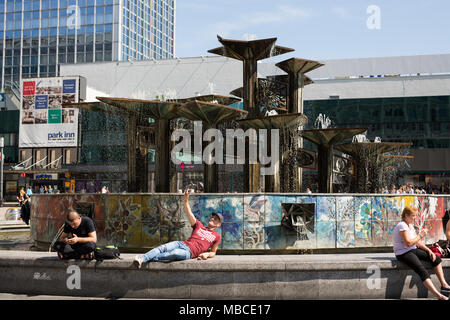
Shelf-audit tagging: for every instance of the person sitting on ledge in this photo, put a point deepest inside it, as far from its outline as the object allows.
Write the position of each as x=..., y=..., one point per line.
x=409, y=249
x=78, y=239
x=201, y=239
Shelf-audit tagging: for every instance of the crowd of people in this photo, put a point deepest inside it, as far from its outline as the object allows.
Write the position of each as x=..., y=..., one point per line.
x=411, y=189
x=393, y=189
x=38, y=189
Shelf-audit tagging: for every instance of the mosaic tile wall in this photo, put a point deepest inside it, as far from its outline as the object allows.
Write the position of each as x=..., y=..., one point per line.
x=252, y=221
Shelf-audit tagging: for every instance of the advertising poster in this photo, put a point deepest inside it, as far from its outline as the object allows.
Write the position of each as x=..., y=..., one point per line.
x=44, y=122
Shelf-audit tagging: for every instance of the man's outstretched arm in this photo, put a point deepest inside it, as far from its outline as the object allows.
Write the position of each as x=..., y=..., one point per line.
x=187, y=208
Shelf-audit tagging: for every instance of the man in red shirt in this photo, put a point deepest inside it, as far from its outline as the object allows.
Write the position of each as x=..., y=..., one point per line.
x=201, y=239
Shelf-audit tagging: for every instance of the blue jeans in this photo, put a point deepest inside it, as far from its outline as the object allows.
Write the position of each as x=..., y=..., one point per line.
x=171, y=251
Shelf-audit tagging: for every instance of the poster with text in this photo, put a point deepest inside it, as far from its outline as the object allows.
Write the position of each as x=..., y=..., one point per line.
x=44, y=122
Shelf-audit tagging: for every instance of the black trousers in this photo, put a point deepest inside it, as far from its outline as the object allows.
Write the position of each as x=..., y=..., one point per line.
x=412, y=259
x=74, y=251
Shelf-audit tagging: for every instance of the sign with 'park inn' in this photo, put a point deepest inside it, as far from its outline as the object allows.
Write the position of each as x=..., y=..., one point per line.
x=44, y=122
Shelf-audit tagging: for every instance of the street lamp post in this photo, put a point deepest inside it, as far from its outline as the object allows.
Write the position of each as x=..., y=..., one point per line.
x=1, y=170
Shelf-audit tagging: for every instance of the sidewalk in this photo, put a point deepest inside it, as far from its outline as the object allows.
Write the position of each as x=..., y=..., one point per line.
x=321, y=276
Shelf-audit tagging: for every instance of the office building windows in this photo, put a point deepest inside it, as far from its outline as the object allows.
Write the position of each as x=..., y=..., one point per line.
x=424, y=121
x=37, y=35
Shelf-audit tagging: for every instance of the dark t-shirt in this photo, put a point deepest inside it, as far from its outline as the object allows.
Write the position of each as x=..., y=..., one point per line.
x=86, y=226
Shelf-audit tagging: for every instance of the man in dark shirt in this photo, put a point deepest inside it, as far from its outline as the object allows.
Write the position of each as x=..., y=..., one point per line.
x=78, y=239
x=197, y=246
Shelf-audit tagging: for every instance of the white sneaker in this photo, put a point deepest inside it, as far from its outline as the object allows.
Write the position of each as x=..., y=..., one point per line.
x=138, y=261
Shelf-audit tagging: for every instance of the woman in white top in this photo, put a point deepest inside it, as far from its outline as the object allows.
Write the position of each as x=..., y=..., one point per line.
x=409, y=249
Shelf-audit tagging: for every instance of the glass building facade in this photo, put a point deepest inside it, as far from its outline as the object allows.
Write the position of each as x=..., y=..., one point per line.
x=148, y=29
x=38, y=35
x=9, y=131
x=424, y=121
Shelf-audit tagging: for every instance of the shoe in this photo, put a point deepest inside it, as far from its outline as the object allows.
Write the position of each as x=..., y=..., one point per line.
x=137, y=262
x=445, y=291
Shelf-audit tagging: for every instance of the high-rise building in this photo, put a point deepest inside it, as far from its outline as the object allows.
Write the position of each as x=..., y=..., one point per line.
x=38, y=35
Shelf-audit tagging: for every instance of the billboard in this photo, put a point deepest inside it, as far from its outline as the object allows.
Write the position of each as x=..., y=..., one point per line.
x=43, y=120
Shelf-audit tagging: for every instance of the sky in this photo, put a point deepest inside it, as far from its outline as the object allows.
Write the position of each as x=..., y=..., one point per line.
x=317, y=30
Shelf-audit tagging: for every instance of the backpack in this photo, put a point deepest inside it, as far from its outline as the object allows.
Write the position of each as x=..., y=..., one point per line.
x=107, y=253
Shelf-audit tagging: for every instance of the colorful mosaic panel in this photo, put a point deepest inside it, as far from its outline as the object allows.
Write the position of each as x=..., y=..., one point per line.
x=363, y=221
x=232, y=208
x=253, y=235
x=344, y=209
x=325, y=234
x=272, y=208
x=254, y=208
x=123, y=225
x=203, y=206
x=326, y=208
x=252, y=222
x=232, y=236
x=345, y=234
x=275, y=236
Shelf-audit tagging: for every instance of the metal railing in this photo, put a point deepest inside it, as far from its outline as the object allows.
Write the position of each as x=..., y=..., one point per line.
x=36, y=164
x=13, y=87
x=55, y=161
x=22, y=165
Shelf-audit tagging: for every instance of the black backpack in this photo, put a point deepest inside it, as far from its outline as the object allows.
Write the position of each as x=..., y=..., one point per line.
x=106, y=253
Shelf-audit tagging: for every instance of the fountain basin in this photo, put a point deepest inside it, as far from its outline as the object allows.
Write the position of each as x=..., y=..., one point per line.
x=137, y=222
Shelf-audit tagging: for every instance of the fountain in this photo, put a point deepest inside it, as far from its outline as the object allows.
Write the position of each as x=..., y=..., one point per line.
x=277, y=96
x=137, y=113
x=296, y=69
x=285, y=122
x=137, y=222
x=370, y=160
x=211, y=98
x=211, y=115
x=272, y=94
x=250, y=52
x=285, y=114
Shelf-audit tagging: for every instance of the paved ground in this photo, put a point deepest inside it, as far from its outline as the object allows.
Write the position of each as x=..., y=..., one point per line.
x=10, y=296
x=14, y=235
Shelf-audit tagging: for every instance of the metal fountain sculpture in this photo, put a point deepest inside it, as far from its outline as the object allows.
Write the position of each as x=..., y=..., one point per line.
x=261, y=110
x=250, y=52
x=371, y=159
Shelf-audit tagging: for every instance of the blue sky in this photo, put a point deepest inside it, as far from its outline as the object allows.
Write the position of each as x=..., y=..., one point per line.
x=317, y=30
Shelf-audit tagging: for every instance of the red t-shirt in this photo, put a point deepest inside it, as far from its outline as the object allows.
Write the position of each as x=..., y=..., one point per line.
x=201, y=239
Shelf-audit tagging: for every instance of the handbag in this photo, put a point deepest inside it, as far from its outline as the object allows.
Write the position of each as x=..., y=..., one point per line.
x=441, y=248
